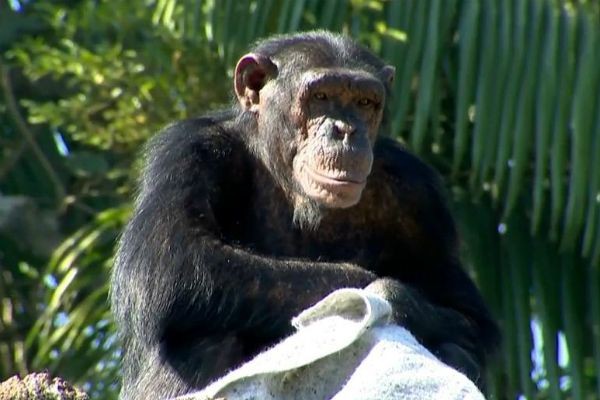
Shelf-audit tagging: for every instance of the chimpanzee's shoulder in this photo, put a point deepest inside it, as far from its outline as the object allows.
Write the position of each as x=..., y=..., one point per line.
x=195, y=149
x=205, y=133
x=395, y=160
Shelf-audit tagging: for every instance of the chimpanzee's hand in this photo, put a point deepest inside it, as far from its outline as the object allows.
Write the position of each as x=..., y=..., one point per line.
x=445, y=332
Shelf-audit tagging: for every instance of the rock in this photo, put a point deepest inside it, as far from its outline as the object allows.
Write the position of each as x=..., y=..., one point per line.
x=39, y=386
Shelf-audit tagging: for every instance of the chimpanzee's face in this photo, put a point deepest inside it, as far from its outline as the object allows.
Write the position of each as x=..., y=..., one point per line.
x=338, y=113
x=317, y=123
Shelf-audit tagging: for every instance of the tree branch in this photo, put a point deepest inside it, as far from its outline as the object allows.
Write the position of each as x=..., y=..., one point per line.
x=23, y=129
x=14, y=156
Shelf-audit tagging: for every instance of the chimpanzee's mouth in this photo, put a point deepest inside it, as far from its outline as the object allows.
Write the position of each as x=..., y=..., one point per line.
x=333, y=189
x=336, y=178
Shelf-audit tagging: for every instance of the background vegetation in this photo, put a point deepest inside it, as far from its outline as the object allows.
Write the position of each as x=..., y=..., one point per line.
x=503, y=97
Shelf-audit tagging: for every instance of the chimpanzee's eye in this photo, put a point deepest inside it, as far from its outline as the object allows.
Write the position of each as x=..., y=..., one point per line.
x=365, y=102
x=320, y=96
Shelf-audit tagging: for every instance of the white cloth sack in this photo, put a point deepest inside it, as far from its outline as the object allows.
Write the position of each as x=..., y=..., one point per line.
x=344, y=348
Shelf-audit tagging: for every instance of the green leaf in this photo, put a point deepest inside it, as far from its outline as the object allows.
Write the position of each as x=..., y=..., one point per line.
x=592, y=219
x=583, y=107
x=86, y=163
x=543, y=114
x=593, y=279
x=510, y=97
x=427, y=78
x=416, y=35
x=487, y=74
x=467, y=34
x=523, y=135
x=560, y=144
x=546, y=285
x=573, y=305
x=519, y=272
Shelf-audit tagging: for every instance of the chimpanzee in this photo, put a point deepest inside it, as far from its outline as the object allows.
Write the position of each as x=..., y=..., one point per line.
x=245, y=217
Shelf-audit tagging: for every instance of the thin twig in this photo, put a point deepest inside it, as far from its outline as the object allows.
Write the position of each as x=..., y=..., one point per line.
x=22, y=127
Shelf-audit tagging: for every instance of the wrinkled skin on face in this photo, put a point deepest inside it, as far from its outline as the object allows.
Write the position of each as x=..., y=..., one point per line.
x=321, y=122
x=340, y=112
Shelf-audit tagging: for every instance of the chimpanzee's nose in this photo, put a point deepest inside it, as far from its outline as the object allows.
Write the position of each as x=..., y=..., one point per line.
x=344, y=129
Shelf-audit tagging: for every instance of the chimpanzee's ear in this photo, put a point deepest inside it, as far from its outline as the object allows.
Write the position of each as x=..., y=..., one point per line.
x=388, y=74
x=252, y=73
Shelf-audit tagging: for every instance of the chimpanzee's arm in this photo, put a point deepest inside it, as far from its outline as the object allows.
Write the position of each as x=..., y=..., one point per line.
x=436, y=301
x=174, y=266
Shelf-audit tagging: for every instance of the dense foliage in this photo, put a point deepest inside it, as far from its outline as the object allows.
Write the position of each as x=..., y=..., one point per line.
x=502, y=97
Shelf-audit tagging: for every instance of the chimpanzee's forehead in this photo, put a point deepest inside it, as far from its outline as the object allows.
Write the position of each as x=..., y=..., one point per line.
x=301, y=52
x=309, y=59
x=336, y=77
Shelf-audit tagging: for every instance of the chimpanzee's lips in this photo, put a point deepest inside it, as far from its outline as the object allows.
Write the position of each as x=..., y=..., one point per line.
x=337, y=180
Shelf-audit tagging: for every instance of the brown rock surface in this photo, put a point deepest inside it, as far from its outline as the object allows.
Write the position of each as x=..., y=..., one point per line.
x=39, y=386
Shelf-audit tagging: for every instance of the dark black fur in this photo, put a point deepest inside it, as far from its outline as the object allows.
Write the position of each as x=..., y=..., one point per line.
x=211, y=268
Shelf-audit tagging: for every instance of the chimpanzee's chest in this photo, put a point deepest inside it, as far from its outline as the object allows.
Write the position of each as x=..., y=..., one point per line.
x=339, y=241
x=355, y=235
